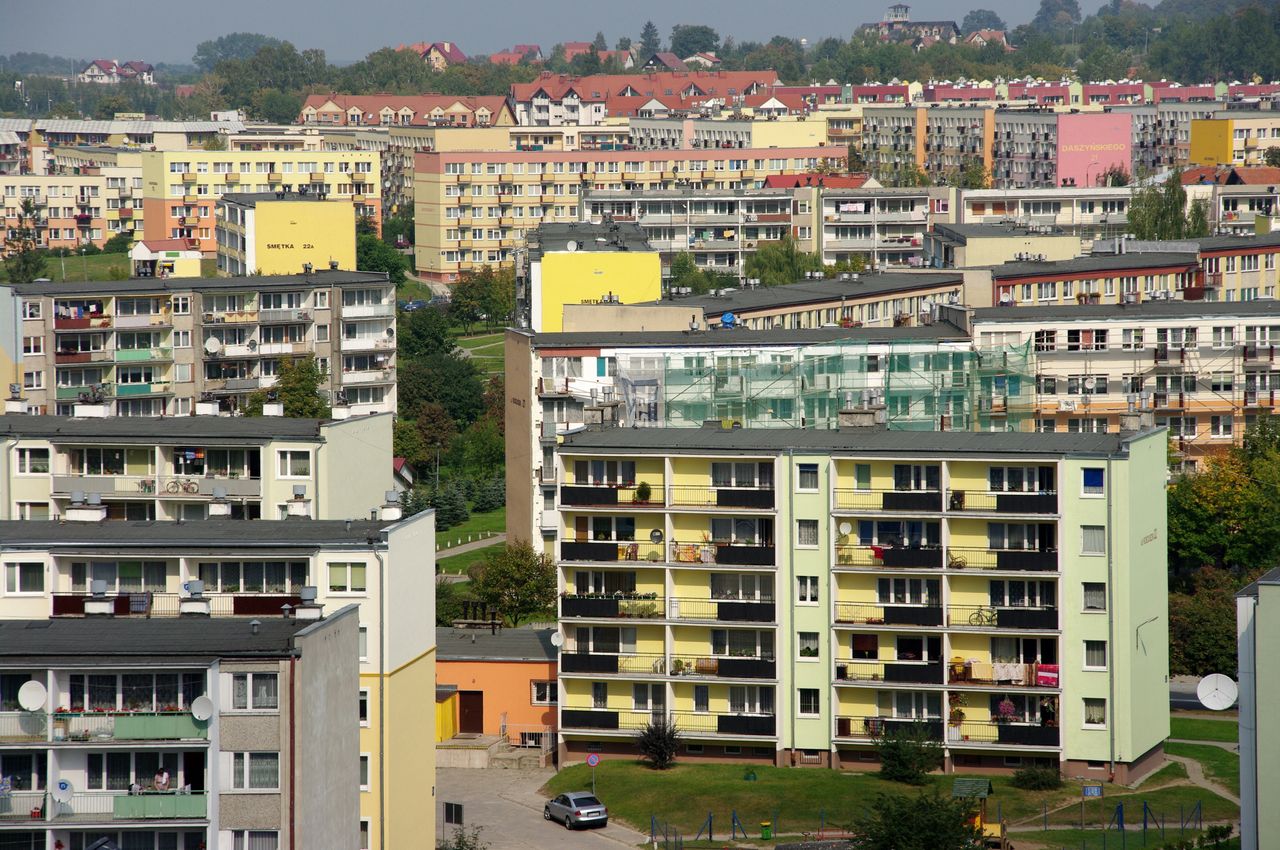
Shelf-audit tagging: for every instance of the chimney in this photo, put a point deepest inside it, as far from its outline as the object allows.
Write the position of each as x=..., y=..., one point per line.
x=307, y=607
x=340, y=411
x=391, y=510
x=98, y=604
x=194, y=605
x=299, y=505
x=85, y=508
x=273, y=408
x=863, y=415
x=219, y=507
x=90, y=410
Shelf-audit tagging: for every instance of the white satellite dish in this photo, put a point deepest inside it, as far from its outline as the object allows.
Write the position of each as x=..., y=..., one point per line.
x=202, y=707
x=1090, y=383
x=557, y=639
x=31, y=696
x=571, y=246
x=62, y=791
x=1217, y=692
x=212, y=345
x=846, y=527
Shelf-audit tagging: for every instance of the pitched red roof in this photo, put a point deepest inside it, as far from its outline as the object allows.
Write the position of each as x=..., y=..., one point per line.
x=506, y=57
x=420, y=104
x=1203, y=174
x=156, y=245
x=828, y=181
x=448, y=50
x=604, y=87
x=1258, y=175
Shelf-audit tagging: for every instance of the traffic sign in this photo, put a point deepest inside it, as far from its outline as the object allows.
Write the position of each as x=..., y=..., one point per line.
x=1091, y=790
x=593, y=760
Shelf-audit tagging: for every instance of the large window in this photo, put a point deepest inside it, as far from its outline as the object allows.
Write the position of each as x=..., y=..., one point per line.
x=253, y=576
x=742, y=643
x=33, y=461
x=24, y=578
x=135, y=691
x=121, y=576
x=294, y=464
x=255, y=771
x=347, y=577
x=255, y=691
x=257, y=839
x=750, y=699
x=544, y=693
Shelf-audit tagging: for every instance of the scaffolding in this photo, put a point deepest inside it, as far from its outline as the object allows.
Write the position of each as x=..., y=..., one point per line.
x=922, y=386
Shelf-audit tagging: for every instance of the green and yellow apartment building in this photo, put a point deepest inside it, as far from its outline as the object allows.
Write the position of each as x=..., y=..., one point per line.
x=790, y=596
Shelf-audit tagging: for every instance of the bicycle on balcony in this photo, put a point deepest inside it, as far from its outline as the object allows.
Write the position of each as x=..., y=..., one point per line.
x=187, y=486
x=983, y=617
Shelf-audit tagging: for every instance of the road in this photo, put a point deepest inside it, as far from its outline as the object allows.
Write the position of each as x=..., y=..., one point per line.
x=507, y=804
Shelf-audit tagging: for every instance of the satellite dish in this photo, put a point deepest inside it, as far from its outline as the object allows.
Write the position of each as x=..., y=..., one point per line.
x=571, y=246
x=212, y=345
x=62, y=791
x=557, y=639
x=202, y=707
x=31, y=696
x=728, y=319
x=1217, y=692
x=846, y=527
x=656, y=535
x=1090, y=383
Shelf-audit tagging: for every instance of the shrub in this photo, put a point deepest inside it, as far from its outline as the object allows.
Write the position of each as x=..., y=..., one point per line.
x=490, y=495
x=643, y=491
x=119, y=244
x=658, y=742
x=908, y=754
x=1037, y=779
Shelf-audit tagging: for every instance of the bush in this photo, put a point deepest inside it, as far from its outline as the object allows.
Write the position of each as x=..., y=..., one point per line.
x=1037, y=779
x=119, y=244
x=908, y=754
x=658, y=742
x=450, y=503
x=489, y=495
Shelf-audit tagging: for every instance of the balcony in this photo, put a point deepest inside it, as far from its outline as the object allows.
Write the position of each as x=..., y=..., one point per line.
x=147, y=604
x=722, y=610
x=81, y=323
x=739, y=554
x=106, y=807
x=168, y=486
x=975, y=501
x=591, y=496
x=752, y=498
x=143, y=355
x=66, y=357
x=687, y=722
x=18, y=727
x=634, y=606
x=1025, y=560
x=985, y=617
x=152, y=388
x=97, y=727
x=985, y=733
x=366, y=376
x=146, y=320
x=893, y=672
x=860, y=728
x=277, y=348
x=1003, y=674
x=364, y=311
x=892, y=557
x=368, y=343
x=230, y=317
x=637, y=664
x=74, y=393
x=272, y=317
x=860, y=613
x=910, y=501
x=610, y=550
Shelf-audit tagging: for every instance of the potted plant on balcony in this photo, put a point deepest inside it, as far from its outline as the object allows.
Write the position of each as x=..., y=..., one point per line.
x=643, y=492
x=1006, y=711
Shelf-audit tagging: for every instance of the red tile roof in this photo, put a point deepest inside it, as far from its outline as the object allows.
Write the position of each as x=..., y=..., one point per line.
x=420, y=104
x=828, y=181
x=605, y=87
x=1256, y=176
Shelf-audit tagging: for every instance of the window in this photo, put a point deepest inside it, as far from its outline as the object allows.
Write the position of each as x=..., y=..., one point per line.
x=809, y=702
x=181, y=305
x=362, y=637
x=347, y=577
x=1220, y=427
x=364, y=707
x=545, y=693
x=1095, y=655
x=1095, y=596
x=1093, y=481
x=364, y=835
x=255, y=691
x=24, y=578
x=294, y=464
x=808, y=644
x=31, y=309
x=1093, y=540
x=807, y=476
x=364, y=772
x=599, y=695
x=807, y=590
x=255, y=771
x=33, y=461
x=701, y=698
x=807, y=533
x=256, y=839
x=33, y=380
x=33, y=345
x=1095, y=712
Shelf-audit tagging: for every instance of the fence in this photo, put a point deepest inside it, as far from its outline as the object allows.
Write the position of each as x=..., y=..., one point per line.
x=1105, y=825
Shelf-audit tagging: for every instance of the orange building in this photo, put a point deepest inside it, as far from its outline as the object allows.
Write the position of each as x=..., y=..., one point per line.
x=505, y=681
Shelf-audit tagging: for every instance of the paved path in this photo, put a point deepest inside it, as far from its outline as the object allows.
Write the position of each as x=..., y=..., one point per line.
x=454, y=578
x=507, y=804
x=1196, y=774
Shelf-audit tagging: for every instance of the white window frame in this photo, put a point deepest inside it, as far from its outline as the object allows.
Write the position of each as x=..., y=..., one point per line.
x=552, y=692
x=808, y=591
x=817, y=534
x=801, y=468
x=285, y=459
x=243, y=775
x=1084, y=590
x=249, y=705
x=363, y=705
x=240, y=837
x=800, y=694
x=1084, y=713
x=13, y=578
x=366, y=767
x=23, y=464
x=1084, y=660
x=1093, y=553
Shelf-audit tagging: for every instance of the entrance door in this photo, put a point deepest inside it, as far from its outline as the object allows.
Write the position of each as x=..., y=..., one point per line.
x=471, y=712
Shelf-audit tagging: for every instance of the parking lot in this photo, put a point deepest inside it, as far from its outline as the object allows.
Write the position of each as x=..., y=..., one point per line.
x=507, y=804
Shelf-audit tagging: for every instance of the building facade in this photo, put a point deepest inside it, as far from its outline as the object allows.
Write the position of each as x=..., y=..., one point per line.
x=1255, y=628
x=283, y=232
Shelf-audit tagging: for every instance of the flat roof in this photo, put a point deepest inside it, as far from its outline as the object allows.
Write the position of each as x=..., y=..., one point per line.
x=815, y=291
x=193, y=534
x=962, y=233
x=251, y=199
x=525, y=643
x=146, y=285
x=162, y=429
x=939, y=331
x=1252, y=240
x=587, y=236
x=869, y=441
x=1174, y=309
x=1093, y=263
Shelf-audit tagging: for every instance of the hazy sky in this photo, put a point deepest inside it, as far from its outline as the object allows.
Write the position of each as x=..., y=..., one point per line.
x=168, y=30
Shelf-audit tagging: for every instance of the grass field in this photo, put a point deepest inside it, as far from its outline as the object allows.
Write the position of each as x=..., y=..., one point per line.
x=1204, y=729
x=486, y=352
x=1095, y=839
x=97, y=267
x=1219, y=765
x=457, y=564
x=414, y=290
x=494, y=522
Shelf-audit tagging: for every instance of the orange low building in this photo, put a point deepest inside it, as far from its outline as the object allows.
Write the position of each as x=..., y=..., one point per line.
x=505, y=681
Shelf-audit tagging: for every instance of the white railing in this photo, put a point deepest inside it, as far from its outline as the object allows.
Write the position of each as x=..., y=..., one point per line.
x=23, y=726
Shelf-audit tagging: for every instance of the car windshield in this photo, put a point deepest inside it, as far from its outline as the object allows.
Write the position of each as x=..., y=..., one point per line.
x=586, y=800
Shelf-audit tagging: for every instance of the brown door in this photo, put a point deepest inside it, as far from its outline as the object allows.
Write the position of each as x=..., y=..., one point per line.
x=471, y=712
x=580, y=529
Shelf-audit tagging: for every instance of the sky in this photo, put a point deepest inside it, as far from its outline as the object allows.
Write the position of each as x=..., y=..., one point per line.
x=168, y=30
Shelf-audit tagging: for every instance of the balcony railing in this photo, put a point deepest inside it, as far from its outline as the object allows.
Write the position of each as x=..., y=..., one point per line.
x=863, y=728
x=149, y=604
x=754, y=498
x=128, y=726
x=80, y=323
x=906, y=672
x=602, y=606
x=20, y=726
x=23, y=806
x=724, y=666
x=987, y=617
x=722, y=610
x=880, y=557
x=610, y=550
x=1014, y=733
x=740, y=554
x=912, y=501
x=889, y=615
x=595, y=495
x=362, y=311
x=1034, y=560
x=136, y=355
x=689, y=722
x=643, y=664
x=976, y=501
x=284, y=315
x=152, y=388
x=1003, y=674
x=657, y=664
x=166, y=486
x=146, y=806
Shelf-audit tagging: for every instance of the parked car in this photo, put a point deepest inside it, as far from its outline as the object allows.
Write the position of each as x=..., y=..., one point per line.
x=410, y=306
x=575, y=809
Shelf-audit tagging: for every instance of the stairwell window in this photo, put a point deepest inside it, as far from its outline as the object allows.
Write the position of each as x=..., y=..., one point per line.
x=1095, y=596
x=1095, y=713
x=294, y=464
x=1093, y=481
x=255, y=771
x=1093, y=540
x=1095, y=655
x=255, y=692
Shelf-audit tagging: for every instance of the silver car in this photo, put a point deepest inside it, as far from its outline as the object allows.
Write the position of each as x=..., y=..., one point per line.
x=575, y=809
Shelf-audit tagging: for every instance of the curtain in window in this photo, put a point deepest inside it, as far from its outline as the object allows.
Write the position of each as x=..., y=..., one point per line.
x=264, y=770
x=275, y=577
x=701, y=698
x=1094, y=539
x=118, y=771
x=737, y=699
x=240, y=691
x=259, y=840
x=265, y=691
x=1095, y=712
x=1095, y=596
x=138, y=691
x=1095, y=653
x=102, y=693
x=338, y=577
x=192, y=687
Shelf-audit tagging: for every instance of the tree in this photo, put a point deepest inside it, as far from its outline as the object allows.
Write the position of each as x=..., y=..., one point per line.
x=236, y=45
x=297, y=388
x=1056, y=15
x=1115, y=175
x=424, y=331
x=483, y=450
x=908, y=754
x=927, y=821
x=406, y=442
x=688, y=39
x=1271, y=157
x=1202, y=625
x=780, y=263
x=973, y=175
x=981, y=19
x=24, y=261
x=624, y=43
x=659, y=741
x=450, y=599
x=276, y=106
x=516, y=581
x=1198, y=219
x=119, y=244
x=374, y=255
x=650, y=41
x=1159, y=211
x=435, y=427
x=446, y=379
x=600, y=44
x=450, y=504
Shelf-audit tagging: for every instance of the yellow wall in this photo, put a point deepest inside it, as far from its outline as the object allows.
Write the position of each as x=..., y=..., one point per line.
x=1211, y=141
x=587, y=276
x=994, y=251
x=447, y=717
x=788, y=134
x=288, y=234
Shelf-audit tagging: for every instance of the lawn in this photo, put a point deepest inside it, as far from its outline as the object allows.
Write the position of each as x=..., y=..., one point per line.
x=796, y=799
x=486, y=351
x=414, y=290
x=1219, y=765
x=486, y=525
x=96, y=267
x=1166, y=803
x=1204, y=729
x=1094, y=839
x=457, y=564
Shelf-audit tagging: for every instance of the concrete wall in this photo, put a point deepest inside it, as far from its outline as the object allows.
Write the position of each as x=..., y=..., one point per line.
x=256, y=732
x=1090, y=143
x=507, y=689
x=288, y=234
x=588, y=277
x=354, y=466
x=522, y=457
x=593, y=317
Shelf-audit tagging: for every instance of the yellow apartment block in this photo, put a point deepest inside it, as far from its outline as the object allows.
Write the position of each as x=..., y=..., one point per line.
x=284, y=233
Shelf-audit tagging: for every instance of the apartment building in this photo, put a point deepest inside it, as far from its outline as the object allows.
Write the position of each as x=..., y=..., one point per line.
x=970, y=245
x=1162, y=128
x=181, y=188
x=184, y=732
x=230, y=574
x=557, y=99
x=1035, y=149
x=787, y=597
x=1255, y=627
x=473, y=208
x=38, y=139
x=194, y=467
x=153, y=347
x=1234, y=138
x=70, y=210
x=727, y=132
x=1090, y=212
x=270, y=233
x=427, y=110
x=1100, y=278
x=882, y=227
x=121, y=169
x=1206, y=369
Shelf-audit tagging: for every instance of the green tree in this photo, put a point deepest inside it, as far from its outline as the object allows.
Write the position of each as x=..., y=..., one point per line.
x=908, y=754
x=780, y=263
x=981, y=19
x=1115, y=175
x=624, y=43
x=451, y=596
x=276, y=106
x=374, y=255
x=1159, y=211
x=688, y=39
x=972, y=175
x=1056, y=15
x=483, y=450
x=600, y=43
x=297, y=388
x=407, y=442
x=399, y=226
x=1202, y=624
x=119, y=244
x=443, y=378
x=659, y=742
x=650, y=40
x=24, y=261
x=516, y=581
x=927, y=821
x=450, y=503
x=1271, y=157
x=236, y=45
x=425, y=331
